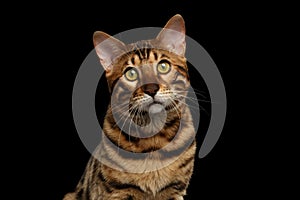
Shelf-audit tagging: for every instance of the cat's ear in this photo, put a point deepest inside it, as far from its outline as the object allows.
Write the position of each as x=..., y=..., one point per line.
x=108, y=48
x=172, y=36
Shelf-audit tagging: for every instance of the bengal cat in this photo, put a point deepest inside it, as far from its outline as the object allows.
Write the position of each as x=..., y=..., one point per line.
x=148, y=146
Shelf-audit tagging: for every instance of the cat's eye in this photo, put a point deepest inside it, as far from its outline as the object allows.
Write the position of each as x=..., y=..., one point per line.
x=131, y=74
x=163, y=67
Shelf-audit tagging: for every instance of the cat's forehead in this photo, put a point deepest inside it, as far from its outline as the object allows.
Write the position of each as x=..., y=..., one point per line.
x=142, y=44
x=149, y=51
x=141, y=52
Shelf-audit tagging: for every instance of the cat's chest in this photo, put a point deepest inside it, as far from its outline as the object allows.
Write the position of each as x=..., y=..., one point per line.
x=154, y=181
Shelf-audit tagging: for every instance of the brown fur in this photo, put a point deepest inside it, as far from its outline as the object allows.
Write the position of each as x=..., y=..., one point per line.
x=165, y=172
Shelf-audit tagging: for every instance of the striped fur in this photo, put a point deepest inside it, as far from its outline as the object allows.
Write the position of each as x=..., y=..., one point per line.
x=165, y=170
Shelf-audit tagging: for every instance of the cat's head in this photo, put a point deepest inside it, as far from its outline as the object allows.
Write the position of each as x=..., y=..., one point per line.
x=149, y=75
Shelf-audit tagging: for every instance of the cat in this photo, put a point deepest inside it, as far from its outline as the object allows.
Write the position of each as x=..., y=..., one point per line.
x=148, y=82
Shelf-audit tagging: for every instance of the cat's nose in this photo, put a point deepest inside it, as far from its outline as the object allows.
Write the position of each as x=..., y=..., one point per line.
x=150, y=89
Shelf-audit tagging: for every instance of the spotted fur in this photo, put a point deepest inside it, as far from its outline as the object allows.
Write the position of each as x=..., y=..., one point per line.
x=165, y=170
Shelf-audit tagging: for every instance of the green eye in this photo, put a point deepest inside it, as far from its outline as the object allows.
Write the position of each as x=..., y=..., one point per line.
x=131, y=74
x=163, y=67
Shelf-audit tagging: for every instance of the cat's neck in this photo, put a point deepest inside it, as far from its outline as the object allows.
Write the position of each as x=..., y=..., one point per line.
x=130, y=141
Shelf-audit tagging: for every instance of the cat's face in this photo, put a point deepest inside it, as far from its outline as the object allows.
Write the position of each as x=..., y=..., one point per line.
x=149, y=76
x=151, y=80
x=155, y=80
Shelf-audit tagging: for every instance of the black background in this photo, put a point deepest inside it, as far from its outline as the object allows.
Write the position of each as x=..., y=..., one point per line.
x=60, y=37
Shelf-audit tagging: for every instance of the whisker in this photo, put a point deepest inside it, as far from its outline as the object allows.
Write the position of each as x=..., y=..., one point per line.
x=122, y=112
x=143, y=122
x=136, y=130
x=122, y=116
x=121, y=129
x=184, y=102
x=194, y=107
x=175, y=106
x=196, y=99
x=130, y=124
x=115, y=107
x=199, y=93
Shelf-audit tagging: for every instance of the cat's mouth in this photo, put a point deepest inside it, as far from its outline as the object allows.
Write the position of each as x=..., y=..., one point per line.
x=141, y=115
x=156, y=102
x=155, y=107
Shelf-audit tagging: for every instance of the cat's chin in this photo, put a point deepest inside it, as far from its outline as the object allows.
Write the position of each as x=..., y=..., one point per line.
x=155, y=108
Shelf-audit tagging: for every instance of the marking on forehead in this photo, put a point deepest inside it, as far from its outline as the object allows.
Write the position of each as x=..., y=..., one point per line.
x=132, y=60
x=152, y=56
x=147, y=52
x=139, y=53
x=143, y=53
x=136, y=59
x=182, y=71
x=155, y=55
x=164, y=56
